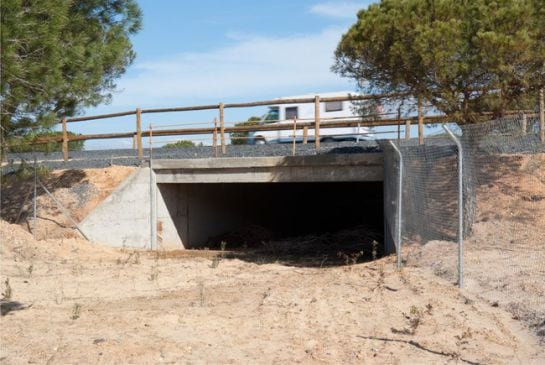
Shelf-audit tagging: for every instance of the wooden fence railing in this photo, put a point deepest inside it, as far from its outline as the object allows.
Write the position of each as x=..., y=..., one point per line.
x=316, y=123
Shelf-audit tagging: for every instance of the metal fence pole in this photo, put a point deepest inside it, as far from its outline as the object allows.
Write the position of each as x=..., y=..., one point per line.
x=460, y=208
x=317, y=123
x=153, y=205
x=542, y=115
x=399, y=205
x=222, y=129
x=34, y=203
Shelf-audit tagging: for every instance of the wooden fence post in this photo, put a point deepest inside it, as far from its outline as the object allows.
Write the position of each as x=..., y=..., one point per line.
x=524, y=124
x=222, y=130
x=215, y=138
x=407, y=129
x=64, y=140
x=294, y=135
x=317, y=122
x=139, y=133
x=542, y=115
x=398, y=124
x=305, y=135
x=420, y=122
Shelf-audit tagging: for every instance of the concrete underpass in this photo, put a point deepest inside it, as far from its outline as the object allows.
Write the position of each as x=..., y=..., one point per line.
x=196, y=200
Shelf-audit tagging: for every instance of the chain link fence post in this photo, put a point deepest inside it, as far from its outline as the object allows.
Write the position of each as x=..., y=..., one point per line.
x=399, y=204
x=542, y=115
x=34, y=201
x=152, y=195
x=460, y=207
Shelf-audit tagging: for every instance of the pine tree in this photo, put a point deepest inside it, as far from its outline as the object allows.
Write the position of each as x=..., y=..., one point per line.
x=463, y=56
x=58, y=56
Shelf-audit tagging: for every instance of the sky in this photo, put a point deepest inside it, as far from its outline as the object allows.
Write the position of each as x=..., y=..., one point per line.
x=202, y=52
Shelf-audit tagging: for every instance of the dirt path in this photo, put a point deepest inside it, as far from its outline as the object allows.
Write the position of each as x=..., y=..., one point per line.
x=85, y=304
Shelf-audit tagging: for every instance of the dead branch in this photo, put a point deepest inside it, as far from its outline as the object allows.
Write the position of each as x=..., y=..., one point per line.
x=421, y=347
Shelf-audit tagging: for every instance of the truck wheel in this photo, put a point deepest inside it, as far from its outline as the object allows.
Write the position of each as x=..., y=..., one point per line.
x=260, y=141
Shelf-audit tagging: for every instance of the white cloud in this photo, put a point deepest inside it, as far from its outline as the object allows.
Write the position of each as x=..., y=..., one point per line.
x=339, y=9
x=252, y=66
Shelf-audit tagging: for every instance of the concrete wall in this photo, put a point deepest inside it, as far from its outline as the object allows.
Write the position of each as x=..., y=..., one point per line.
x=123, y=218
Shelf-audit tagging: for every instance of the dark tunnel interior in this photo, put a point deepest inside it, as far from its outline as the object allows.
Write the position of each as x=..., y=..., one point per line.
x=205, y=214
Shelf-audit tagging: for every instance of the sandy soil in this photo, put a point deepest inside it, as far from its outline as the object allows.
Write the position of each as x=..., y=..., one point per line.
x=72, y=302
x=65, y=300
x=504, y=256
x=79, y=191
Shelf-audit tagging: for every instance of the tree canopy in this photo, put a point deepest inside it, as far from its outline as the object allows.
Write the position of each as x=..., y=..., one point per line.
x=238, y=138
x=59, y=56
x=463, y=56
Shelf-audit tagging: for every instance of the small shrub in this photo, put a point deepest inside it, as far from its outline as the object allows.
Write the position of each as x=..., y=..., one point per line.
x=238, y=138
x=6, y=295
x=215, y=262
x=25, y=171
x=76, y=311
x=180, y=144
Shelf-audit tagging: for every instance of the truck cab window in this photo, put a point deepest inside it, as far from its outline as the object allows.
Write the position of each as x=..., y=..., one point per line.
x=291, y=112
x=273, y=115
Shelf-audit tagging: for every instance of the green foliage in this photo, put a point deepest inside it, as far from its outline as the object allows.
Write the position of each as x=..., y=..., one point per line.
x=25, y=172
x=180, y=144
x=59, y=56
x=20, y=144
x=238, y=138
x=463, y=56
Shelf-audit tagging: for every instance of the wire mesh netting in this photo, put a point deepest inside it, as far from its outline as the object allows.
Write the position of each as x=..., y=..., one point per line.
x=503, y=210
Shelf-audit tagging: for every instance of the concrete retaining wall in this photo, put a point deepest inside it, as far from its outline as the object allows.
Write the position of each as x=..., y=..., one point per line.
x=123, y=218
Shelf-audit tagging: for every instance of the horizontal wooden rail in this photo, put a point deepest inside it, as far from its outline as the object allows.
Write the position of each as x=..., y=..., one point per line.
x=181, y=109
x=251, y=128
x=101, y=116
x=262, y=127
x=239, y=105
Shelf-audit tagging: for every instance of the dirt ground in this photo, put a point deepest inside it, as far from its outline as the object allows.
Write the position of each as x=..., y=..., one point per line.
x=73, y=302
x=65, y=300
x=79, y=191
x=504, y=256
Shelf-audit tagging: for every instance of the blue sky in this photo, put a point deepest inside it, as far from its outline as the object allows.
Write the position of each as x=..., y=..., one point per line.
x=203, y=52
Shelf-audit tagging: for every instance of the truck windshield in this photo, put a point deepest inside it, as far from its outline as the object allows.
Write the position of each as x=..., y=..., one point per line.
x=273, y=115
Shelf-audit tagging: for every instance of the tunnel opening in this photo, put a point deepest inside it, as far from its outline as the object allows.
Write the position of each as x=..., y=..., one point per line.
x=338, y=218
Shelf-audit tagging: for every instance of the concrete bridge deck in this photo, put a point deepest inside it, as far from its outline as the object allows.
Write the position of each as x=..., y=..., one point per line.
x=318, y=168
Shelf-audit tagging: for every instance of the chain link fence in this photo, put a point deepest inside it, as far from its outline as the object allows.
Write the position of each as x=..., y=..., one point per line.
x=502, y=254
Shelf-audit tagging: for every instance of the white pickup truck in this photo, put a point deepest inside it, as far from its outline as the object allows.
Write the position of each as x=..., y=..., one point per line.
x=285, y=114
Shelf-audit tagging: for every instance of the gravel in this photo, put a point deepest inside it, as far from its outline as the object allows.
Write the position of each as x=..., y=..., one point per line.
x=128, y=157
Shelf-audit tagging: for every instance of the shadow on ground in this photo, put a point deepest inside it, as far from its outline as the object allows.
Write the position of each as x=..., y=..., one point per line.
x=345, y=247
x=18, y=188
